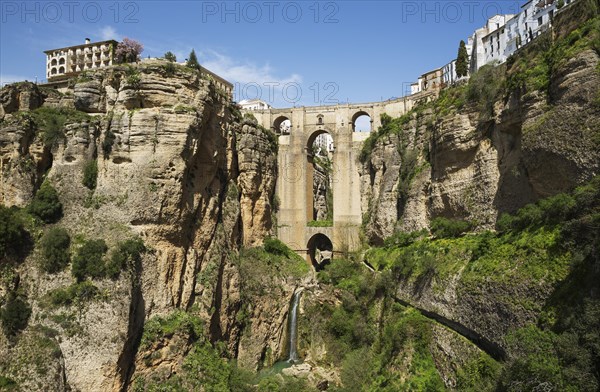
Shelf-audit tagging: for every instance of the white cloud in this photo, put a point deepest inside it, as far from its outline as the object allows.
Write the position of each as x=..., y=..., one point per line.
x=109, y=32
x=248, y=75
x=243, y=72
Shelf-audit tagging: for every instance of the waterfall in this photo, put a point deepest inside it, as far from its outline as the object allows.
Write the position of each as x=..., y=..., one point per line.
x=293, y=329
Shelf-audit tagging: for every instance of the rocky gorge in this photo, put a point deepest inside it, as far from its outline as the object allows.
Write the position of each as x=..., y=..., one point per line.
x=139, y=223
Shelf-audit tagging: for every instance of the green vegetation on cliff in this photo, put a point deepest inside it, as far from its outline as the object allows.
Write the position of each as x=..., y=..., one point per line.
x=12, y=231
x=55, y=254
x=554, y=243
x=206, y=366
x=378, y=344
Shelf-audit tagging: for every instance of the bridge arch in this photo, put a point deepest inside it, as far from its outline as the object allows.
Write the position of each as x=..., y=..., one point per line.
x=319, y=176
x=320, y=250
x=360, y=119
x=313, y=136
x=282, y=125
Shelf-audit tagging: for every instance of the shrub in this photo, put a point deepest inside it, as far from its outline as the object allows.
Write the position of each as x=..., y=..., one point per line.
x=76, y=293
x=46, y=205
x=449, y=228
x=401, y=238
x=14, y=315
x=126, y=253
x=88, y=261
x=90, y=174
x=276, y=247
x=133, y=78
x=12, y=233
x=8, y=384
x=169, y=68
x=558, y=208
x=505, y=223
x=179, y=321
x=55, y=250
x=51, y=121
x=485, y=87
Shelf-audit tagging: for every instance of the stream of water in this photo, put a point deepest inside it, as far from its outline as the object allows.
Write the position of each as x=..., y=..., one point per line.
x=292, y=341
x=293, y=329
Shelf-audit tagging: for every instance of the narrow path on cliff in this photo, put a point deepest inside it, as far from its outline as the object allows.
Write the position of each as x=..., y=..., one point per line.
x=485, y=345
x=489, y=347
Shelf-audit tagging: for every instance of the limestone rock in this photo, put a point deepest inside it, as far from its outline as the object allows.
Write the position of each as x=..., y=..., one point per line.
x=178, y=168
x=476, y=171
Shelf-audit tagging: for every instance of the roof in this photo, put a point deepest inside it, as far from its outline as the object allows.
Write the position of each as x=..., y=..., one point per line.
x=110, y=41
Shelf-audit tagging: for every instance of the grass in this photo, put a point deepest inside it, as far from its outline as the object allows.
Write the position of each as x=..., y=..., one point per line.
x=320, y=223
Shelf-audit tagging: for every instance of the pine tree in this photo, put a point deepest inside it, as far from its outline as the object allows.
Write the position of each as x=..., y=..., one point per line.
x=462, y=66
x=193, y=61
x=169, y=56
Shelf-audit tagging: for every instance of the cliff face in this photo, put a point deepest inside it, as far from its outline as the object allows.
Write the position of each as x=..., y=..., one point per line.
x=177, y=167
x=474, y=160
x=534, y=146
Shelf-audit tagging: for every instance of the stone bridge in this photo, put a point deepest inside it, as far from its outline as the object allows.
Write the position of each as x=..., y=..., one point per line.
x=295, y=176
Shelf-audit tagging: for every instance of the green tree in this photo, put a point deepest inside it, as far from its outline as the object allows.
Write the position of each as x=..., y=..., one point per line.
x=462, y=60
x=88, y=261
x=12, y=233
x=14, y=315
x=90, y=174
x=193, y=61
x=55, y=250
x=169, y=56
x=126, y=253
x=46, y=205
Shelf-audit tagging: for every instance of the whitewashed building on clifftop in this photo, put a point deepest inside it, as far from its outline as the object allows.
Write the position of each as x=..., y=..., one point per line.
x=65, y=62
x=254, y=104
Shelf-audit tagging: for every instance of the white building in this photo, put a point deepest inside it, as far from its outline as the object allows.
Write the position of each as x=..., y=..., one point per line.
x=69, y=61
x=254, y=104
x=417, y=87
x=535, y=18
x=324, y=144
x=479, y=51
x=495, y=42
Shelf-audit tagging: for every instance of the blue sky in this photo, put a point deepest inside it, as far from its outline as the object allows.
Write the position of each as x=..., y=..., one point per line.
x=288, y=52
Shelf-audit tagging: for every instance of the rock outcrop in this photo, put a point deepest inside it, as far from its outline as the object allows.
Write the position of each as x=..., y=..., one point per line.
x=477, y=170
x=178, y=167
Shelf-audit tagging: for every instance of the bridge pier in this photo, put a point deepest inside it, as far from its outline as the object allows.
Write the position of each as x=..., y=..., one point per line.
x=295, y=171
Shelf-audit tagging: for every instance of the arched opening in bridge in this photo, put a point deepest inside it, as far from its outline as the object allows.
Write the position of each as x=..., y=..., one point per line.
x=361, y=122
x=319, y=179
x=282, y=125
x=320, y=250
